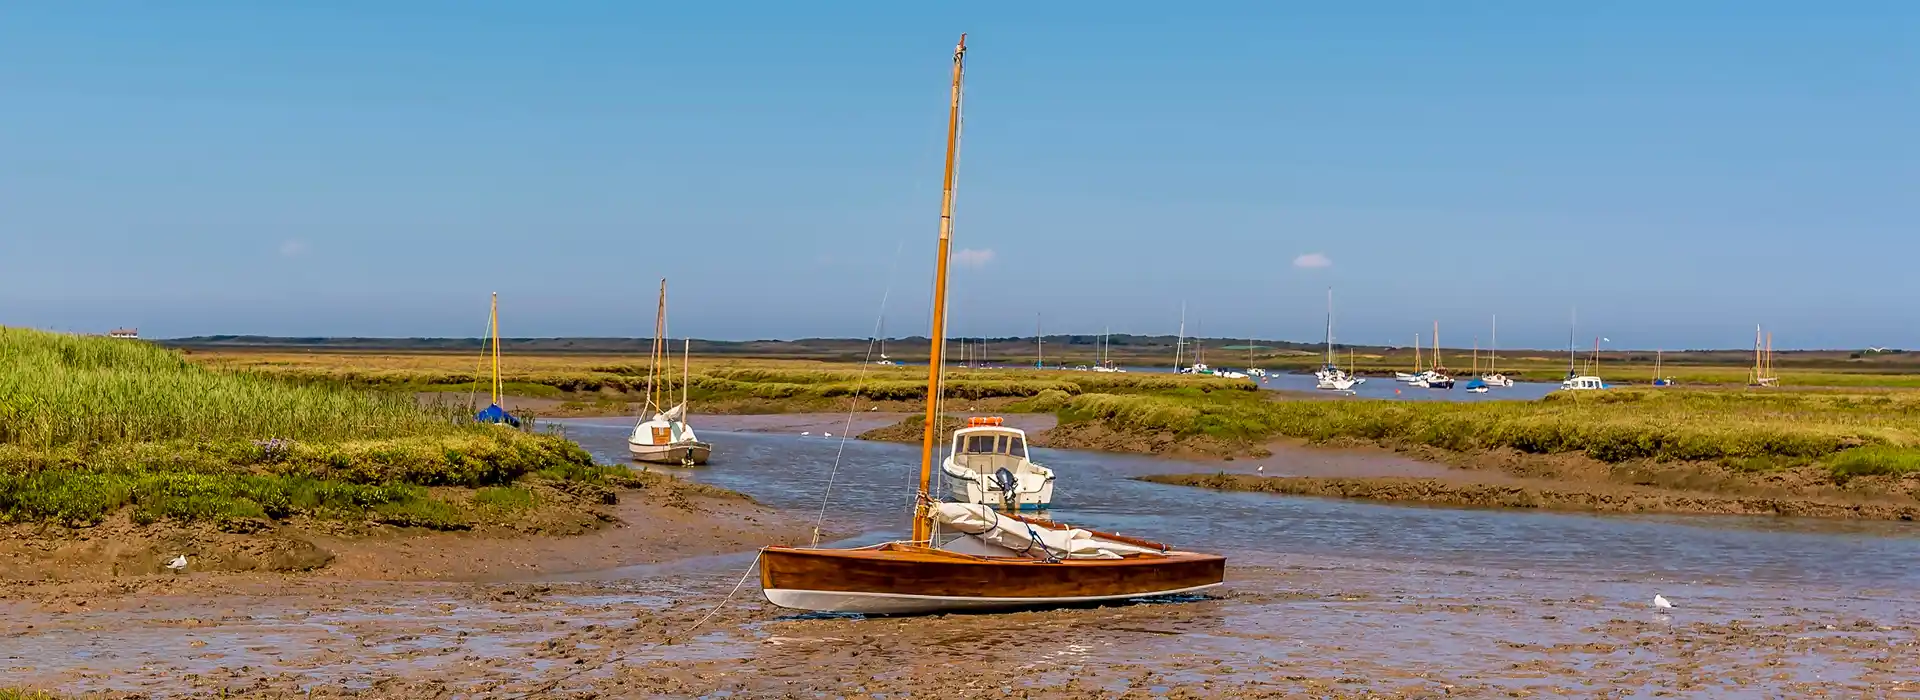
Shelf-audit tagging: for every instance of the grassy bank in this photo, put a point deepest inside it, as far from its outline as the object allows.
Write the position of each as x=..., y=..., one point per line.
x=1851, y=434
x=91, y=427
x=772, y=384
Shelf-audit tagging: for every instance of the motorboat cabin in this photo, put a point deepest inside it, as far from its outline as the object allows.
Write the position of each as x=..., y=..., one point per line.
x=988, y=465
x=1584, y=383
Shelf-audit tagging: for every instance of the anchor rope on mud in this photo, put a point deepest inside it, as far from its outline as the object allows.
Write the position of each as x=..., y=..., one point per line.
x=617, y=658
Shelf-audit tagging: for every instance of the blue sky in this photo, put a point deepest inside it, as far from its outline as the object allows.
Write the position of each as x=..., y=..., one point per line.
x=1677, y=171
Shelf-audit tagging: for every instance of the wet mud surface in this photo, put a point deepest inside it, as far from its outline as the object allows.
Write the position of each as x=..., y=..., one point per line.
x=1316, y=629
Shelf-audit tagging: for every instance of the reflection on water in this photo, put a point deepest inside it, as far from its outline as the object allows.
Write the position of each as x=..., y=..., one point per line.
x=874, y=483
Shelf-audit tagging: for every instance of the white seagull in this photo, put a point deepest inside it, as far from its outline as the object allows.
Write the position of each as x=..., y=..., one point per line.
x=1660, y=601
x=178, y=563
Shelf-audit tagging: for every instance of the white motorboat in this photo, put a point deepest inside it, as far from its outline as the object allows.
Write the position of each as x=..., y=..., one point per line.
x=1583, y=383
x=988, y=465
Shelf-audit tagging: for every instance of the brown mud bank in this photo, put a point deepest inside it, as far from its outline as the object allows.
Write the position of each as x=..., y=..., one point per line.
x=1045, y=430
x=1300, y=631
x=1090, y=435
x=910, y=428
x=595, y=528
x=1590, y=497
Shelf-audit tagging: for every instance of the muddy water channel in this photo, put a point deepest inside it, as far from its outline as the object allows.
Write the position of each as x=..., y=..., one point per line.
x=1325, y=599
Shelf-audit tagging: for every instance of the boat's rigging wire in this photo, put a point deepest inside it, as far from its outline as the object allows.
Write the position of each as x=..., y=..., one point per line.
x=859, y=388
x=473, y=390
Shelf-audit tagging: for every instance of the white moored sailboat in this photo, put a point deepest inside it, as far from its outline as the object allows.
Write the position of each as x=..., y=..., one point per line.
x=1330, y=377
x=1493, y=378
x=666, y=438
x=988, y=465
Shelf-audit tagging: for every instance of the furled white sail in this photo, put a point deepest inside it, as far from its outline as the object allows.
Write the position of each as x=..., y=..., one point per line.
x=678, y=412
x=1015, y=538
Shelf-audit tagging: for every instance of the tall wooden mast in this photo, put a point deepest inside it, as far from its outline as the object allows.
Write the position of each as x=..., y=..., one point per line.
x=921, y=527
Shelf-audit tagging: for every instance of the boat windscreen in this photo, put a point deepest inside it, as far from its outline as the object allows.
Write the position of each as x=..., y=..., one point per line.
x=994, y=444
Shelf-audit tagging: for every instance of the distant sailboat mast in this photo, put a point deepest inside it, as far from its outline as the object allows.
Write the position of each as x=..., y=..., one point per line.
x=1180, y=342
x=1330, y=327
x=1039, y=344
x=1573, y=321
x=1493, y=349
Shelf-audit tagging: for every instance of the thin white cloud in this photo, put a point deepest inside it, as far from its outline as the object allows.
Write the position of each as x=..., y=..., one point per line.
x=293, y=248
x=970, y=257
x=1313, y=260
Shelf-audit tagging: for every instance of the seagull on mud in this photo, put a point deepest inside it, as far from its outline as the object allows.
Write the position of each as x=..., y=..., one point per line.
x=1660, y=601
x=178, y=564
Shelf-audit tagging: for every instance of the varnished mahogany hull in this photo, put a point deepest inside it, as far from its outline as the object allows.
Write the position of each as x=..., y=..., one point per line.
x=880, y=581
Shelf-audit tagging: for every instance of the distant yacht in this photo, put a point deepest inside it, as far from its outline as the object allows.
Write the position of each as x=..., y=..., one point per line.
x=1330, y=377
x=1492, y=378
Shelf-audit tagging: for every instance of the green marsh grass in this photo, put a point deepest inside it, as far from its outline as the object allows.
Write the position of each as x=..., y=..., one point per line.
x=90, y=426
x=1614, y=426
x=710, y=380
x=58, y=389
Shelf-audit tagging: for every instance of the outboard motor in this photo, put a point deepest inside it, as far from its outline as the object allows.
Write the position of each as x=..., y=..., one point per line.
x=1004, y=481
x=1009, y=498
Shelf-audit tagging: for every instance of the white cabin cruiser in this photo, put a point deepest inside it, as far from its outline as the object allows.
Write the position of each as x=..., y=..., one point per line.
x=1583, y=383
x=988, y=465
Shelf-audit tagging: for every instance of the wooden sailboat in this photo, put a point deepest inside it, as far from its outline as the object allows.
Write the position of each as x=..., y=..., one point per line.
x=666, y=438
x=493, y=413
x=965, y=556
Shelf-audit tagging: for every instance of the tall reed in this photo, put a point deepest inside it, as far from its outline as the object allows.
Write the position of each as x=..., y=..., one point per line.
x=58, y=389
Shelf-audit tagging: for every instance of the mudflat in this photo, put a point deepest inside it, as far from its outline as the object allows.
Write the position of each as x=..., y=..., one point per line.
x=1309, y=630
